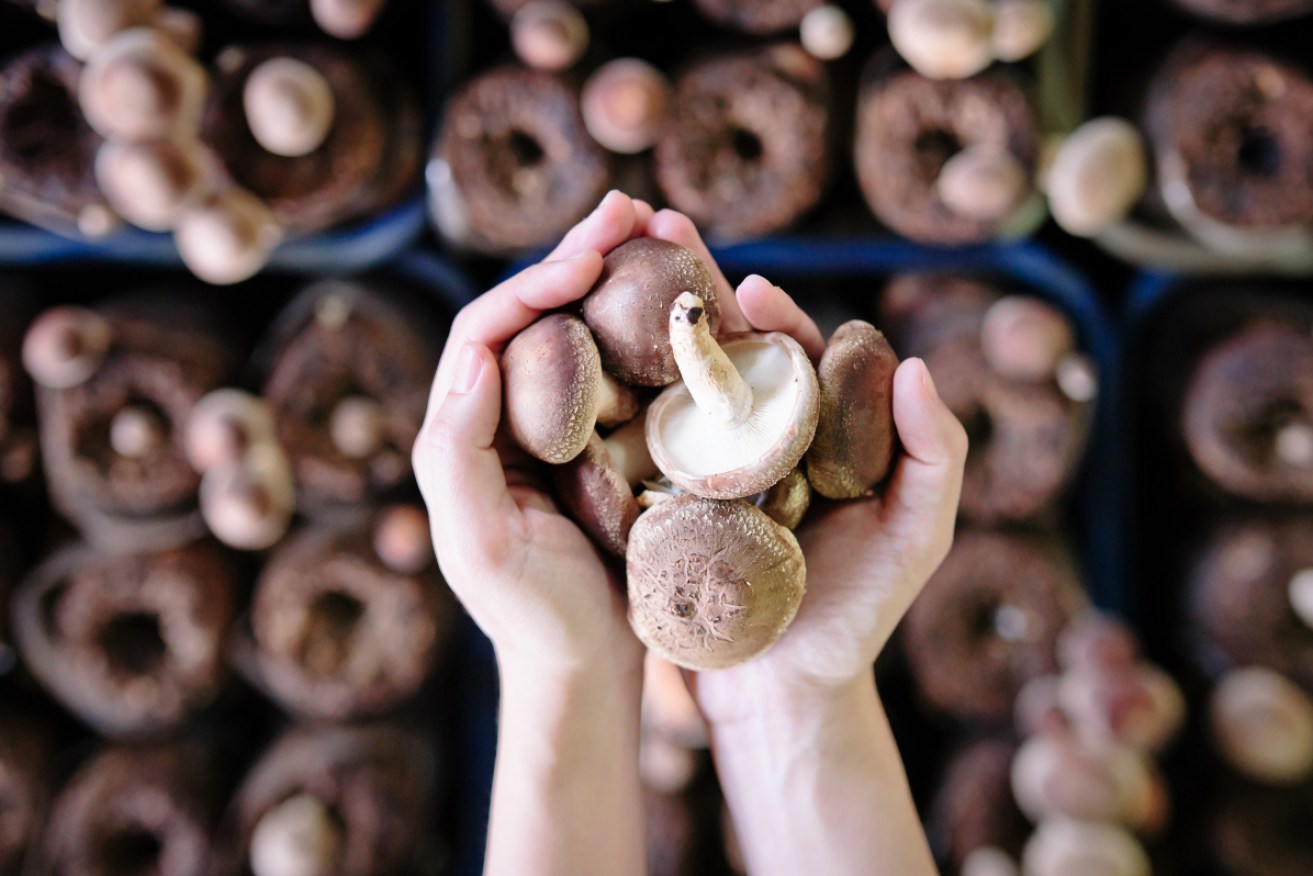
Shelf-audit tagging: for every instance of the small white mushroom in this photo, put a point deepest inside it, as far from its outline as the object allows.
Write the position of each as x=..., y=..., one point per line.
x=86, y=25
x=64, y=346
x=624, y=104
x=150, y=184
x=140, y=86
x=402, y=539
x=1024, y=339
x=136, y=432
x=742, y=416
x=1063, y=846
x=298, y=837
x=982, y=183
x=357, y=427
x=989, y=861
x=943, y=39
x=549, y=34
x=1301, y=595
x=248, y=504
x=1097, y=175
x=224, y=425
x=183, y=26
x=228, y=239
x=289, y=106
x=346, y=19
x=1294, y=444
x=1021, y=28
x=1263, y=725
x=826, y=32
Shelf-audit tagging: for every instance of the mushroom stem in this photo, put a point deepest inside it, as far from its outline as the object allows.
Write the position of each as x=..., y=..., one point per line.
x=616, y=403
x=1294, y=444
x=627, y=447
x=1301, y=596
x=135, y=432
x=712, y=380
x=298, y=837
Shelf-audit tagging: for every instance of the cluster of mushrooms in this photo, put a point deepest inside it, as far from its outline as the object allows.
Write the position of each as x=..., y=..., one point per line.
x=143, y=91
x=698, y=488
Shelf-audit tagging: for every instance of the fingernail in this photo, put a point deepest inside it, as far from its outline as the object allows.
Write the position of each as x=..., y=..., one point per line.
x=468, y=368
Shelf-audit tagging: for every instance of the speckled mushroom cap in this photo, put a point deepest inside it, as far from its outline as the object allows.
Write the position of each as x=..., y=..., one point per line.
x=709, y=457
x=787, y=502
x=629, y=308
x=555, y=390
x=855, y=436
x=597, y=496
x=712, y=584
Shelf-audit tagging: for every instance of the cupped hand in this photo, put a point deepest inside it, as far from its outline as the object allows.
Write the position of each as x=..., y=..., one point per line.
x=526, y=574
x=867, y=559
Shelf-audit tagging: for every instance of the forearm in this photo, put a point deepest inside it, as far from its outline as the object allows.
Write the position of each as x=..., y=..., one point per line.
x=565, y=795
x=822, y=792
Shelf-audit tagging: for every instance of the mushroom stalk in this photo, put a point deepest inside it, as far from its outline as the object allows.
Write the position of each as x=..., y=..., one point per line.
x=616, y=403
x=712, y=380
x=627, y=447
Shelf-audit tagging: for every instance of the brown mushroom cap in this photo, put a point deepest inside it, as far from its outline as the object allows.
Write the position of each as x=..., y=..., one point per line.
x=787, y=502
x=855, y=435
x=142, y=86
x=555, y=392
x=712, y=584
x=743, y=415
x=629, y=308
x=597, y=486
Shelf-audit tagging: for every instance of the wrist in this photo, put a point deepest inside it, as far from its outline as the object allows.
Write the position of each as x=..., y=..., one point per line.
x=580, y=683
x=782, y=718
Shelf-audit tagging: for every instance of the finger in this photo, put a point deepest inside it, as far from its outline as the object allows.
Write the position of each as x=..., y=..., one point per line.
x=643, y=213
x=678, y=228
x=610, y=224
x=501, y=313
x=459, y=472
x=768, y=308
x=920, y=505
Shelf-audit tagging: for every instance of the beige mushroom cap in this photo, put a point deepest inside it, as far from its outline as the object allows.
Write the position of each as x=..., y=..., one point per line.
x=346, y=19
x=549, y=35
x=943, y=39
x=224, y=425
x=402, y=539
x=1063, y=846
x=628, y=309
x=228, y=239
x=712, y=584
x=150, y=184
x=65, y=345
x=289, y=106
x=1263, y=725
x=826, y=32
x=298, y=837
x=624, y=104
x=1024, y=338
x=140, y=85
x=787, y=502
x=248, y=504
x=554, y=389
x=855, y=435
x=1097, y=176
x=86, y=25
x=1021, y=28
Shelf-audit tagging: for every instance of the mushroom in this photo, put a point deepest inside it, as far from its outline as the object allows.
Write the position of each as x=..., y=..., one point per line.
x=150, y=184
x=298, y=837
x=1263, y=725
x=743, y=415
x=1300, y=591
x=228, y=239
x=289, y=106
x=943, y=39
x=357, y=427
x=854, y=443
x=224, y=425
x=1139, y=706
x=136, y=431
x=982, y=183
x=1095, y=640
x=183, y=26
x=65, y=345
x=346, y=19
x=597, y=486
x=86, y=25
x=1021, y=27
x=1096, y=177
x=1025, y=339
x=628, y=309
x=549, y=35
x=248, y=503
x=826, y=32
x=989, y=861
x=624, y=104
x=787, y=502
x=1055, y=773
x=555, y=391
x=1063, y=846
x=711, y=584
x=402, y=539
x=141, y=86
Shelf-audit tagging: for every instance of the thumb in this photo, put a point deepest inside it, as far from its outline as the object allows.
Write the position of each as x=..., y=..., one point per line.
x=458, y=469
x=921, y=503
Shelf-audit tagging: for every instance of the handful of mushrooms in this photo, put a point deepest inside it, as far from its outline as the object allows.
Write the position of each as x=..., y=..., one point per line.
x=698, y=488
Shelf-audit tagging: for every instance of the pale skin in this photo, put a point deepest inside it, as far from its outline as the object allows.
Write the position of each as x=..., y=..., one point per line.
x=810, y=771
